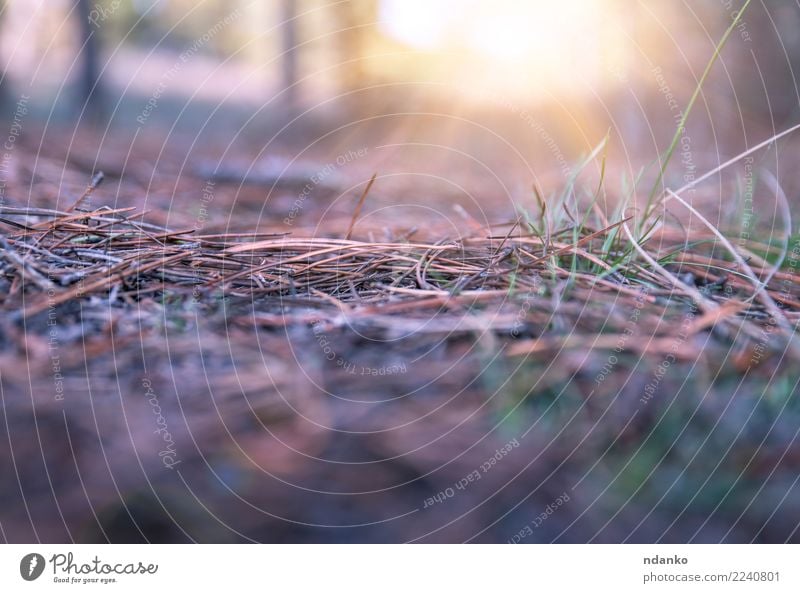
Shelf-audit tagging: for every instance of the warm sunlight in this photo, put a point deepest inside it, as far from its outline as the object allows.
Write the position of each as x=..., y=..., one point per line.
x=530, y=48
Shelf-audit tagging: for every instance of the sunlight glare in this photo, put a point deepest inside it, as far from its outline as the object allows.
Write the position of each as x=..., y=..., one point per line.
x=513, y=45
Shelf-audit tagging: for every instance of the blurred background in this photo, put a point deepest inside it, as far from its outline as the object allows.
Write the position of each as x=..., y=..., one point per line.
x=526, y=86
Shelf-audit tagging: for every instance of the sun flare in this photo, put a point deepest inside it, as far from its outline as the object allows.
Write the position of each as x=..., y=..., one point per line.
x=522, y=47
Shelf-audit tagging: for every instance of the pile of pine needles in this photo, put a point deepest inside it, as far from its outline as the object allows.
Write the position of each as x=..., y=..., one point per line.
x=575, y=286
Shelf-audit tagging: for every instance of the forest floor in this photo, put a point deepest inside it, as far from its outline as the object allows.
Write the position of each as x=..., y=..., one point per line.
x=205, y=353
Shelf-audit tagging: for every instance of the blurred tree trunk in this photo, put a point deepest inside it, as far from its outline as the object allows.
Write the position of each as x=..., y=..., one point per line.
x=3, y=74
x=90, y=87
x=289, y=58
x=770, y=32
x=355, y=21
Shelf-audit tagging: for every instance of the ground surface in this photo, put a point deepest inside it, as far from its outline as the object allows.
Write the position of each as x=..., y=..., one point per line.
x=199, y=352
